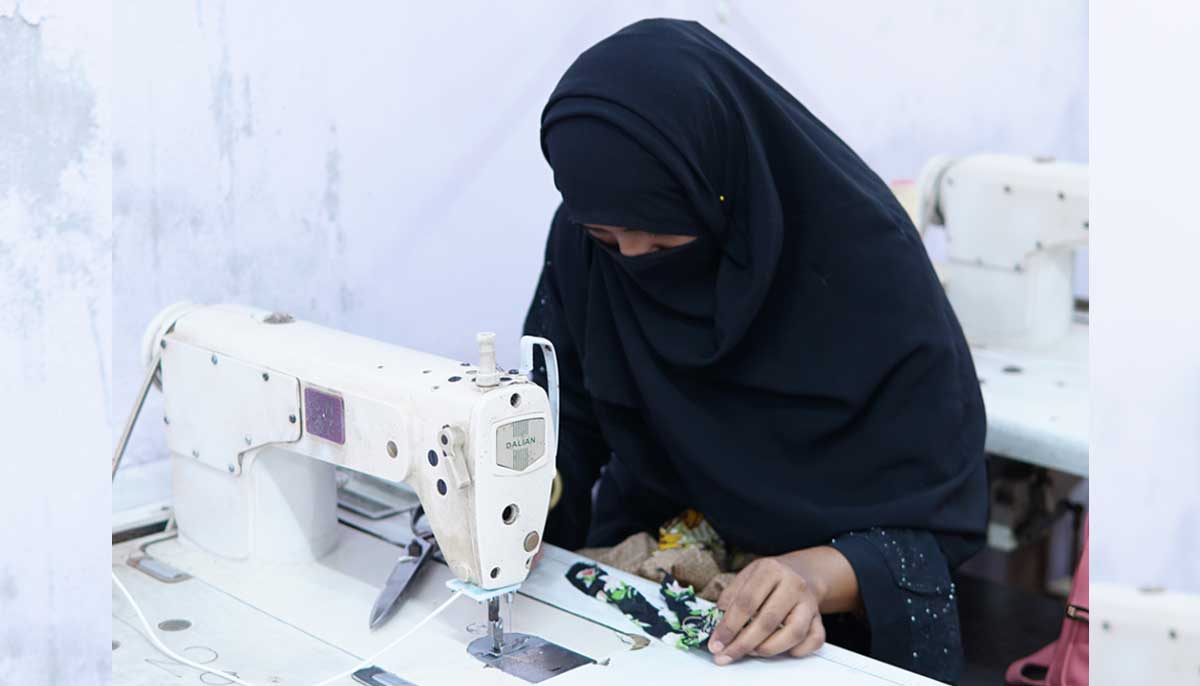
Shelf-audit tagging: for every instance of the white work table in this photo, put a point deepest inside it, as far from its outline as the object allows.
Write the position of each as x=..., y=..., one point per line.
x=296, y=624
x=1037, y=402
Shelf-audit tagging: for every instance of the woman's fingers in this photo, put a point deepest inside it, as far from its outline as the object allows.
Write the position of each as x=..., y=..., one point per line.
x=784, y=597
x=741, y=601
x=795, y=629
x=726, y=598
x=769, y=610
x=814, y=640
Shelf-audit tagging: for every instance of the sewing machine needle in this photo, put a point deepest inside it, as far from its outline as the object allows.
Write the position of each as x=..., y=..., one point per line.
x=495, y=625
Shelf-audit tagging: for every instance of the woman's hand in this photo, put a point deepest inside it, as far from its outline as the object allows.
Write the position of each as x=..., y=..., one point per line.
x=774, y=605
x=770, y=609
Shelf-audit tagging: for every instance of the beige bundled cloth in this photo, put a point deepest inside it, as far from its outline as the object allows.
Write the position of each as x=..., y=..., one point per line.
x=687, y=547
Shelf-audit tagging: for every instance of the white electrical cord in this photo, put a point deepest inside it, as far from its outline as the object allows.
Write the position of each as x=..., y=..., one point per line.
x=226, y=675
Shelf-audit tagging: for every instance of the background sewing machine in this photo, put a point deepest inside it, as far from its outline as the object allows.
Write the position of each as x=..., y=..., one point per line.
x=1010, y=227
x=268, y=577
x=1004, y=232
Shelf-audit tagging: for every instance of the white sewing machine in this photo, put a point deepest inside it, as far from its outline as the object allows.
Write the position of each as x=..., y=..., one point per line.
x=262, y=577
x=1012, y=224
x=259, y=408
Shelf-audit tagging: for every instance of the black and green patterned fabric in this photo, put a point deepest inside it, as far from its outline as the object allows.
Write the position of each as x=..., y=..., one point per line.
x=685, y=622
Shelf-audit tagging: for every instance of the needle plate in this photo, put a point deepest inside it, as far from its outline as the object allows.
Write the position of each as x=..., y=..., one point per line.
x=526, y=657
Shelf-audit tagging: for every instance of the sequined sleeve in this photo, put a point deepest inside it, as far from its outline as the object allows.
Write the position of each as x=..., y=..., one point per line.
x=909, y=599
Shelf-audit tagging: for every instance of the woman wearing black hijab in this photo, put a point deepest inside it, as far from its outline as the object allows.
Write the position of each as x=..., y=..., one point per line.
x=747, y=324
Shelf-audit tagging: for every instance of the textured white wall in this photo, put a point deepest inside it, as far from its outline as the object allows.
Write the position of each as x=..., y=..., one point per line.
x=377, y=169
x=55, y=342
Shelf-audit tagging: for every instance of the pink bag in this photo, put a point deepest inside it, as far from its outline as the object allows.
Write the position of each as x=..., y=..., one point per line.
x=1065, y=661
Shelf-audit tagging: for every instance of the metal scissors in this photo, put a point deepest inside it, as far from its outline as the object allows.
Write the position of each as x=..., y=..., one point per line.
x=417, y=551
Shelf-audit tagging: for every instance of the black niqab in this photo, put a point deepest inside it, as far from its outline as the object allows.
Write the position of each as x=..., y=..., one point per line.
x=796, y=371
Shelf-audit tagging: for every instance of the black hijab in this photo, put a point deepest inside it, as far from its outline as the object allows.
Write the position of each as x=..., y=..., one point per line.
x=796, y=371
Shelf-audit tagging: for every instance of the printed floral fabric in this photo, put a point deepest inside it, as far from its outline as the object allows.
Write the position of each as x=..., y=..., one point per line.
x=688, y=530
x=685, y=622
x=687, y=547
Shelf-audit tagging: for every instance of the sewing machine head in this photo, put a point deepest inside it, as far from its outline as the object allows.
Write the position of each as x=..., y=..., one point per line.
x=1012, y=224
x=260, y=408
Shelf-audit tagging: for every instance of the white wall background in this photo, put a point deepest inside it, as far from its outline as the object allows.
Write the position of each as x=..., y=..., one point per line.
x=55, y=342
x=376, y=167
x=1145, y=326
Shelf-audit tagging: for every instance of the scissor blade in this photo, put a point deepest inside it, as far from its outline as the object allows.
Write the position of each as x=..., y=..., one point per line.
x=402, y=574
